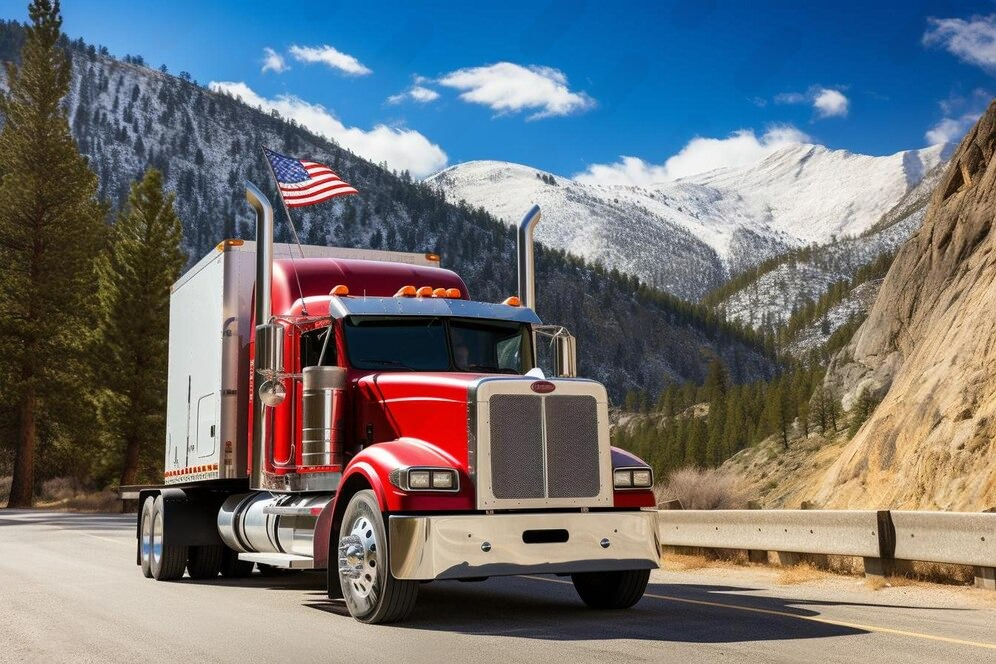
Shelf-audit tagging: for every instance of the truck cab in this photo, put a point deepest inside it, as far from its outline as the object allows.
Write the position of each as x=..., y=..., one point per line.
x=374, y=421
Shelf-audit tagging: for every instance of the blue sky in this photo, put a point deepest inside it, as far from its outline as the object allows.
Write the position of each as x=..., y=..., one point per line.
x=574, y=86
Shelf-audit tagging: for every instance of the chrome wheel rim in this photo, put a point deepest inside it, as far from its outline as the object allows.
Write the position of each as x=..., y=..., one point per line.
x=359, y=560
x=157, y=537
x=147, y=538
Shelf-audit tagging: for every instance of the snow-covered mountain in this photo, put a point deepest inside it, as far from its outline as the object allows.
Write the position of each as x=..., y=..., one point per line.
x=690, y=235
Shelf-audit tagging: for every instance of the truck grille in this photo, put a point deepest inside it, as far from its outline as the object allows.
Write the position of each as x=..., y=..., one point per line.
x=544, y=447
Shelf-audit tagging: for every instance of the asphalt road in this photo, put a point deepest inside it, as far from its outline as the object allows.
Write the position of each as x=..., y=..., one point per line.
x=70, y=592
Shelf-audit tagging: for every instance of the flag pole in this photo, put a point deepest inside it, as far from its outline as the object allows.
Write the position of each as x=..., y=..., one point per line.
x=290, y=221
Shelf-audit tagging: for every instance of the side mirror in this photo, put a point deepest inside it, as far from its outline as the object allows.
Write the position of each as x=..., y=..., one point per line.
x=565, y=355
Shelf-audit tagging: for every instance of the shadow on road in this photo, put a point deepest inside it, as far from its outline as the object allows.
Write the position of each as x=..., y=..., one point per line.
x=529, y=608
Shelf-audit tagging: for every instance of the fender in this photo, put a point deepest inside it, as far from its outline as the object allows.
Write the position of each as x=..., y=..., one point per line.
x=371, y=468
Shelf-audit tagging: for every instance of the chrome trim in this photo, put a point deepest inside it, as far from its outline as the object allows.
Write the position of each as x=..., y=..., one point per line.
x=453, y=547
x=526, y=258
x=341, y=307
x=264, y=279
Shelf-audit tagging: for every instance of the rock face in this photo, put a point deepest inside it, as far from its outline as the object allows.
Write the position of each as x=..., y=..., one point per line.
x=928, y=351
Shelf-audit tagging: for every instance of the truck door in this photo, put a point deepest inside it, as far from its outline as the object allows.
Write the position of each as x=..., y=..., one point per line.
x=207, y=421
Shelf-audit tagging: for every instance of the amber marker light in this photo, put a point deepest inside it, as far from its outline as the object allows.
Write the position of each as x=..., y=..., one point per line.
x=432, y=257
x=453, y=292
x=340, y=291
x=225, y=244
x=424, y=291
x=406, y=291
x=512, y=301
x=439, y=292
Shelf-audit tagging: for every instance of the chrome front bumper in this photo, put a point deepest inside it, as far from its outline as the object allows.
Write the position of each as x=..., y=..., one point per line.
x=476, y=545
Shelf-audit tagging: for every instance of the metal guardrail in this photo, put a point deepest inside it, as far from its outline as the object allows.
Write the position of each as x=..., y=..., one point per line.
x=880, y=538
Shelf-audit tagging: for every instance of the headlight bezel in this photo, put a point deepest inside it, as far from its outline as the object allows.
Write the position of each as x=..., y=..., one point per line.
x=624, y=478
x=423, y=479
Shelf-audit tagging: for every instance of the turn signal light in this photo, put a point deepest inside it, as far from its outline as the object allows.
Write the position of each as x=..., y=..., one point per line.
x=406, y=291
x=424, y=291
x=340, y=290
x=453, y=292
x=512, y=301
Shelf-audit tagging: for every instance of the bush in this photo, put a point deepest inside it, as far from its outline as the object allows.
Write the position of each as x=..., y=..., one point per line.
x=703, y=489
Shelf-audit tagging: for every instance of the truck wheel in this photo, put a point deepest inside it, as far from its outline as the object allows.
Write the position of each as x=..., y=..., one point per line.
x=232, y=567
x=371, y=592
x=611, y=590
x=167, y=560
x=145, y=541
x=204, y=562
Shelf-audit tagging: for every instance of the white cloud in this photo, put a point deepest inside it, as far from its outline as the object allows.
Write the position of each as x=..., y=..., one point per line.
x=506, y=87
x=273, y=61
x=827, y=102
x=402, y=149
x=831, y=103
x=417, y=93
x=700, y=155
x=960, y=113
x=972, y=41
x=332, y=57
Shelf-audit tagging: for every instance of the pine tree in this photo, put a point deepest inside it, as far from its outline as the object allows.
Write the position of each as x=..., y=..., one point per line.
x=135, y=274
x=50, y=231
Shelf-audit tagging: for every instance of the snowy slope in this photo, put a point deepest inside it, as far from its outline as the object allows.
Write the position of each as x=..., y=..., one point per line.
x=689, y=235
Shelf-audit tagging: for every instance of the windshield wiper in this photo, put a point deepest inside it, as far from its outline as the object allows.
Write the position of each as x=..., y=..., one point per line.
x=386, y=363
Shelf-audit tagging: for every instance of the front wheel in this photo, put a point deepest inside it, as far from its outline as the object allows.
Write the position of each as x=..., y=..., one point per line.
x=372, y=594
x=611, y=590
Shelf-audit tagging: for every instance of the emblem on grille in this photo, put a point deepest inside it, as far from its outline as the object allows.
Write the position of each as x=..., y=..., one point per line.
x=542, y=387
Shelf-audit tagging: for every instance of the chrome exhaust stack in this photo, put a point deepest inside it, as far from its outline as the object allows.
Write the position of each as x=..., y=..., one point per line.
x=268, y=336
x=527, y=266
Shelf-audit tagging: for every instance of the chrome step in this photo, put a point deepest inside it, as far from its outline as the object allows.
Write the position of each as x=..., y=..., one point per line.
x=282, y=560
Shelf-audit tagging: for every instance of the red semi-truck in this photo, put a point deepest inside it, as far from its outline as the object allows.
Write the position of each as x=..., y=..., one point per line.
x=356, y=411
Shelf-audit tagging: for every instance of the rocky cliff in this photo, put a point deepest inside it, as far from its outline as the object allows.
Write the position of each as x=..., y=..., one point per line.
x=928, y=352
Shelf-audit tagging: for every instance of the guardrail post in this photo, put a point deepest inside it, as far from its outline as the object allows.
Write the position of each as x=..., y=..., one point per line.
x=756, y=555
x=985, y=577
x=885, y=564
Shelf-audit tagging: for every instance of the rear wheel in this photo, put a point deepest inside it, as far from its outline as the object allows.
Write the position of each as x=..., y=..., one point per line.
x=611, y=590
x=167, y=561
x=145, y=541
x=370, y=591
x=204, y=562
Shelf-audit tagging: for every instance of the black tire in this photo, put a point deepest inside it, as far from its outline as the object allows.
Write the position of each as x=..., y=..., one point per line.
x=204, y=562
x=611, y=590
x=232, y=567
x=370, y=591
x=145, y=537
x=168, y=560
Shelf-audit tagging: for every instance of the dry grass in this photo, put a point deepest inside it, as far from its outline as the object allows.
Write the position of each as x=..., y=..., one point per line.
x=801, y=573
x=684, y=562
x=703, y=489
x=64, y=494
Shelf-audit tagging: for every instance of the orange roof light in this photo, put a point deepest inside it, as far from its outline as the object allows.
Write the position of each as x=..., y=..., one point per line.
x=340, y=291
x=439, y=292
x=424, y=291
x=406, y=291
x=432, y=257
x=225, y=244
x=513, y=301
x=453, y=292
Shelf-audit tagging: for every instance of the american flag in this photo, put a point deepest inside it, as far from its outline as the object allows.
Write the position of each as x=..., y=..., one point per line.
x=305, y=182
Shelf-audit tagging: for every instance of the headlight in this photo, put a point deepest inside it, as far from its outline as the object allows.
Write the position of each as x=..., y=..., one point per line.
x=633, y=478
x=426, y=479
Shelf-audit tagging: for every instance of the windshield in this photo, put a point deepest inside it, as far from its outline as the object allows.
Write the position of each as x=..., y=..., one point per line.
x=436, y=344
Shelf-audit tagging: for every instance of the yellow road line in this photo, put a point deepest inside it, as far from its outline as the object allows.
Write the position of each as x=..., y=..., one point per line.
x=816, y=619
